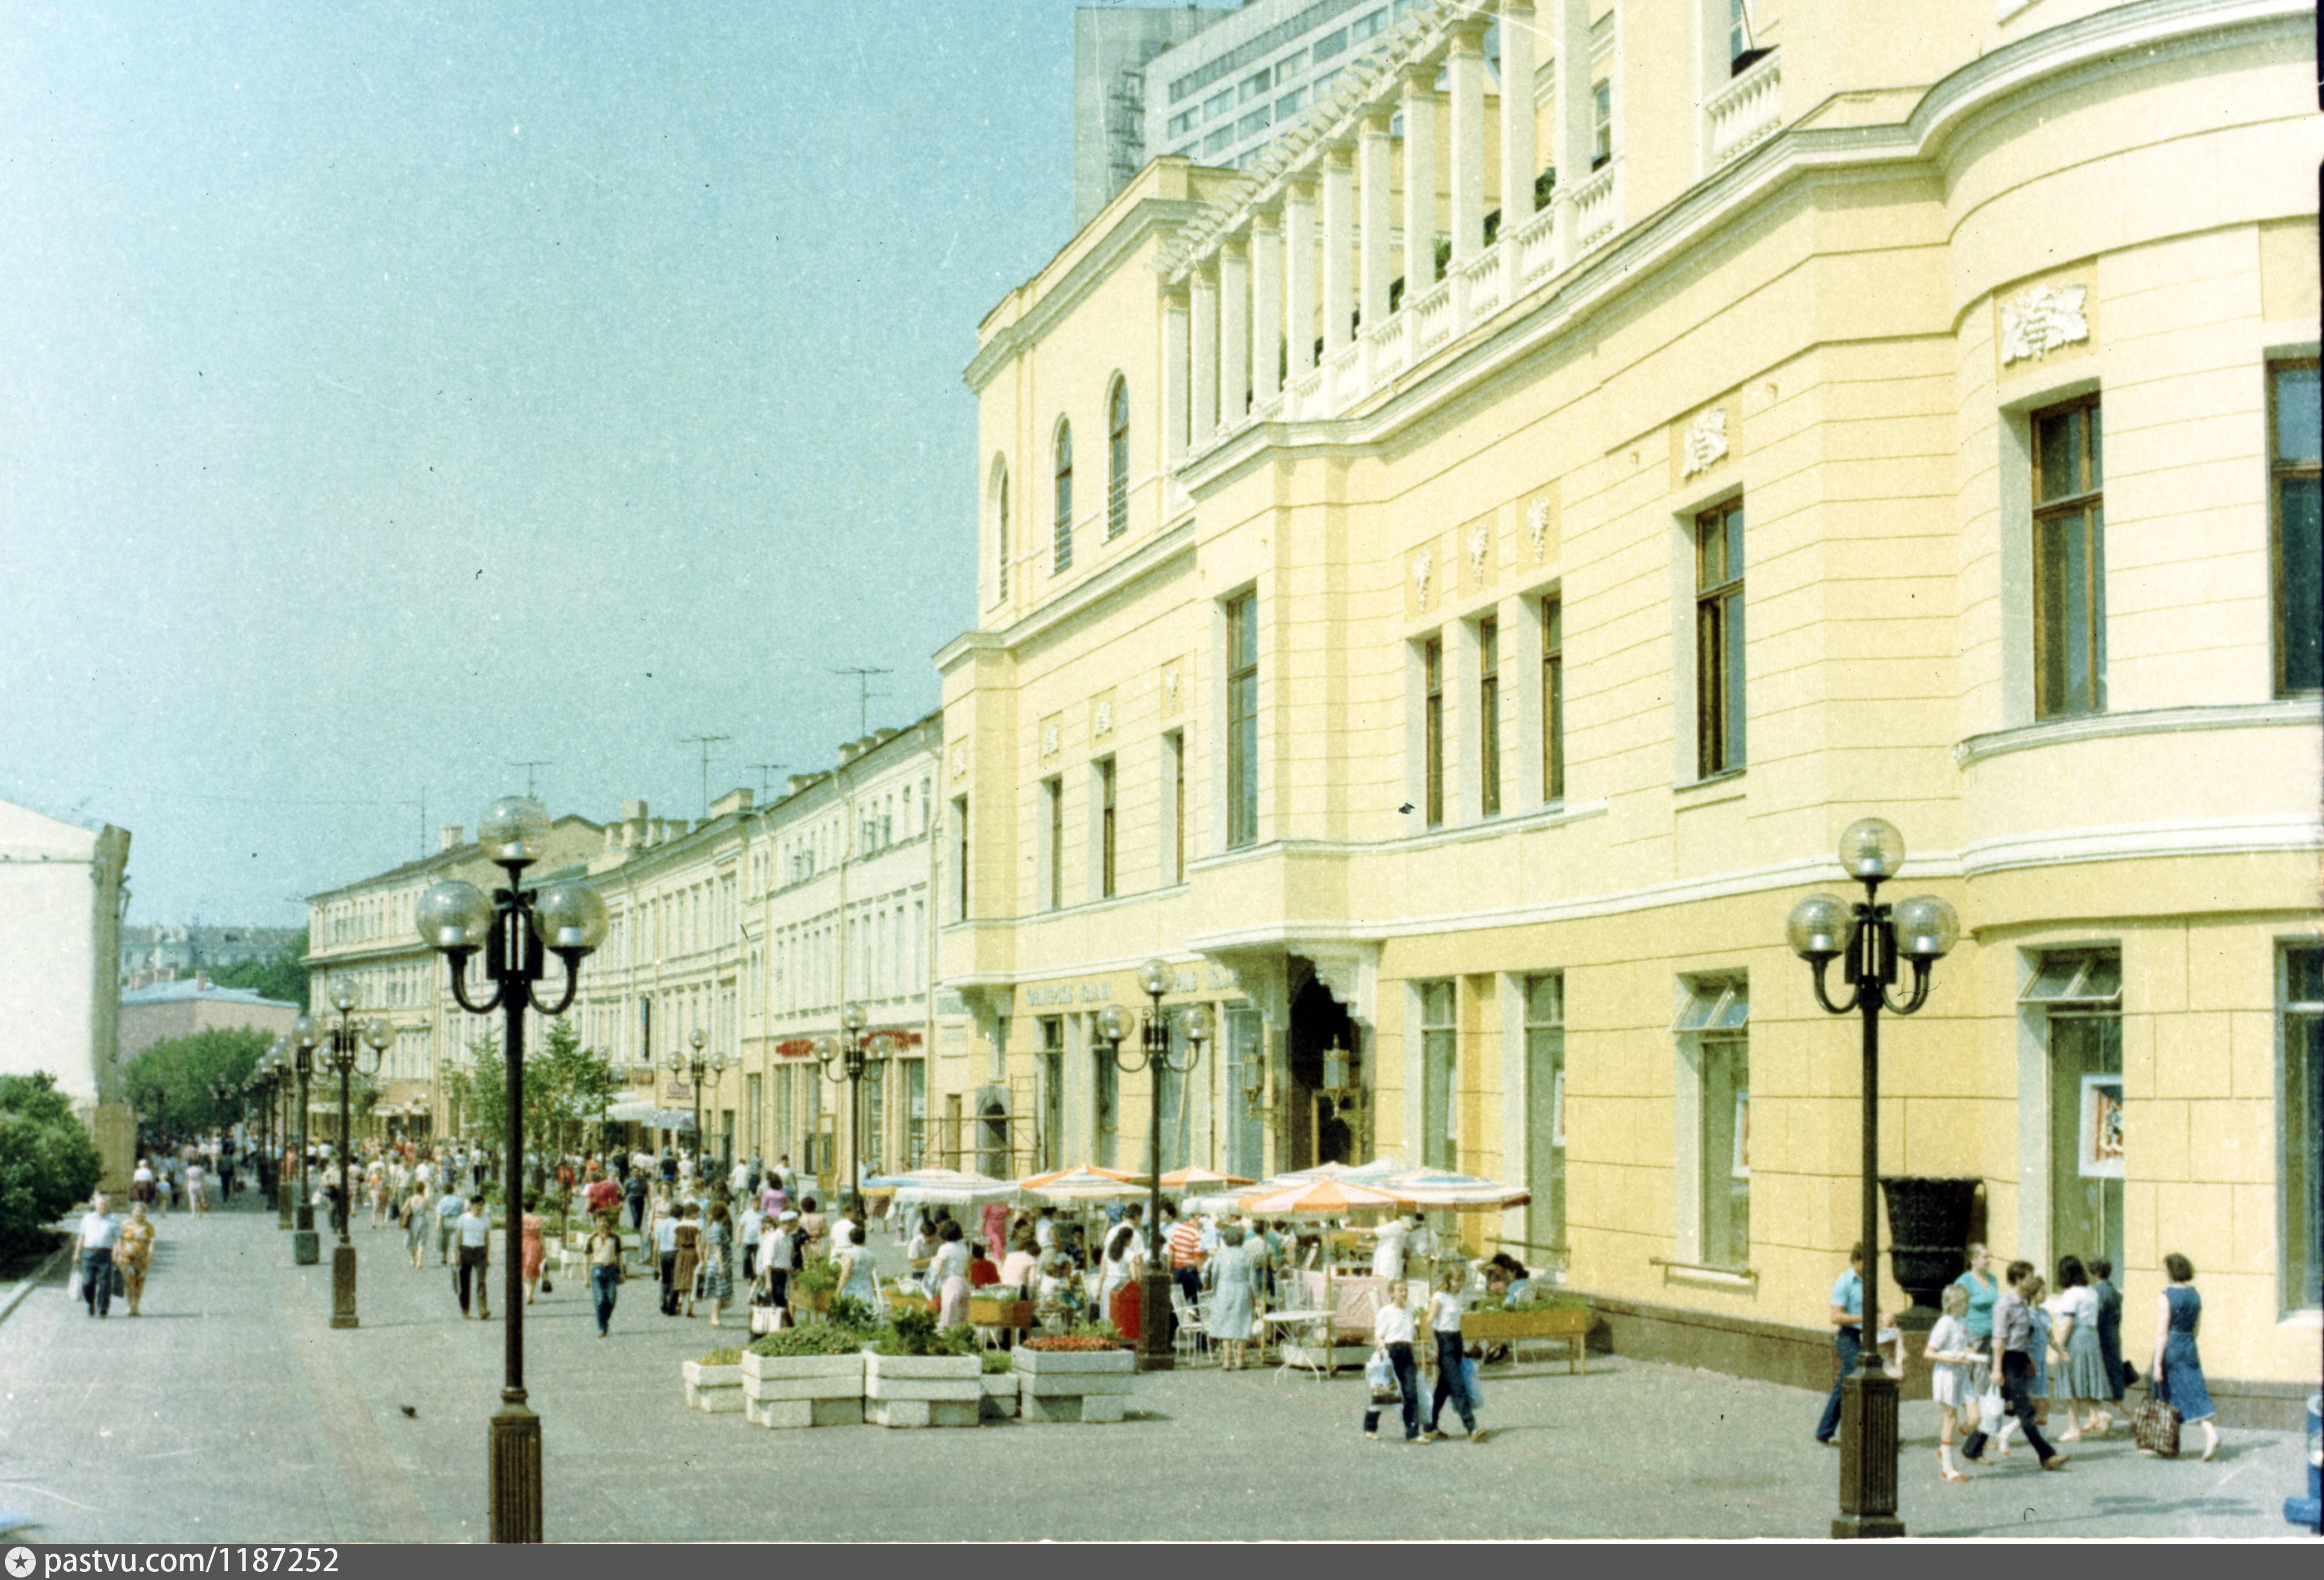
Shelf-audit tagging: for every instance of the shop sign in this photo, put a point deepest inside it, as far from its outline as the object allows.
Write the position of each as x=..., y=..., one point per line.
x=794, y=1047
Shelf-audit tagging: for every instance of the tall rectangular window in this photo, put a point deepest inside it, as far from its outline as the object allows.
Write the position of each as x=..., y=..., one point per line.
x=1246, y=1074
x=1488, y=716
x=1242, y=720
x=1105, y=1100
x=1053, y=845
x=1062, y=549
x=1439, y=1118
x=2074, y=1001
x=960, y=857
x=1553, y=699
x=1719, y=640
x=1713, y=1032
x=1601, y=123
x=2069, y=561
x=1545, y=1030
x=1432, y=725
x=1105, y=840
x=915, y=1113
x=2298, y=544
x=2300, y=1127
x=875, y=1115
x=1053, y=1092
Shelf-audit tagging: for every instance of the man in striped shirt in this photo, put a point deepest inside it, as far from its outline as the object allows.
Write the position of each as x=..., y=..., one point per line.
x=1185, y=1242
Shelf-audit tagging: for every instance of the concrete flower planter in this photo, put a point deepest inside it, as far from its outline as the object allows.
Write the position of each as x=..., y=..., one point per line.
x=717, y=1390
x=923, y=1391
x=802, y=1390
x=1000, y=1394
x=1074, y=1385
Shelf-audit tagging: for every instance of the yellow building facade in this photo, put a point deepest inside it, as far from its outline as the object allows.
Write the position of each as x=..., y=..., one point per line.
x=1872, y=415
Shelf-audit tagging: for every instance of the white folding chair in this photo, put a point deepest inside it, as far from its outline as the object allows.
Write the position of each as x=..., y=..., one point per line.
x=1190, y=1338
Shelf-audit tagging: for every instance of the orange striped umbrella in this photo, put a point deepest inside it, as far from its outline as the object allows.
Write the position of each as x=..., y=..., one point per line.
x=1323, y=1198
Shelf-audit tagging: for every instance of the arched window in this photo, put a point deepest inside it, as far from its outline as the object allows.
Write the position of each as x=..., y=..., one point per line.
x=1001, y=530
x=1063, y=558
x=1117, y=459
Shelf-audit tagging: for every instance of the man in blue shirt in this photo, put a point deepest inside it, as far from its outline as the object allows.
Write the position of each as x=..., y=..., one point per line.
x=1847, y=1317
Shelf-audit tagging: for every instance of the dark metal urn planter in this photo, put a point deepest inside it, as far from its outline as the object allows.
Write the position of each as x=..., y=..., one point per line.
x=1928, y=1229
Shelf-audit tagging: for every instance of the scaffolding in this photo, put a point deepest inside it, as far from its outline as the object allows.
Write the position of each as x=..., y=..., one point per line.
x=1125, y=128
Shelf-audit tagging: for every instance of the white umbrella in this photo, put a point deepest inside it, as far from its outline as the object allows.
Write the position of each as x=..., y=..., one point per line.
x=1442, y=1189
x=947, y=1187
x=1084, y=1183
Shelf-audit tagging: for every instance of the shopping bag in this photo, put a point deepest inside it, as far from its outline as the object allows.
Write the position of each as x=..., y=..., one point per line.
x=2155, y=1428
x=1379, y=1373
x=1469, y=1384
x=1992, y=1410
x=120, y=1284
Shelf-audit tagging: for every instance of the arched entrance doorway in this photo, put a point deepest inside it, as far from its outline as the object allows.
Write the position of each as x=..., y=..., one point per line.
x=1317, y=1130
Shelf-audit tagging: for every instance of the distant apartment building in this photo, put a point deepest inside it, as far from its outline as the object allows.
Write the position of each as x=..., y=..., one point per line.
x=171, y=952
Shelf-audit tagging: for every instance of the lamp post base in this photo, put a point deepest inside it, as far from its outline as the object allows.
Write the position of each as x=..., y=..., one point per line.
x=343, y=1286
x=515, y=1474
x=282, y=1205
x=1154, y=1351
x=1867, y=1459
x=306, y=1247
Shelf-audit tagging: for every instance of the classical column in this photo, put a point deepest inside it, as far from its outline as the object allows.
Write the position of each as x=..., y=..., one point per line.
x=1466, y=70
x=1176, y=375
x=1299, y=275
x=1573, y=116
x=1419, y=180
x=1339, y=247
x=1205, y=358
x=1234, y=333
x=1518, y=152
x=1374, y=178
x=1265, y=307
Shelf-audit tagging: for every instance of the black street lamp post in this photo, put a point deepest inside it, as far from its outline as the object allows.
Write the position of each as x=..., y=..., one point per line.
x=306, y=1249
x=278, y=1124
x=516, y=929
x=848, y=1052
x=698, y=1066
x=1154, y=1351
x=344, y=1047
x=1867, y=936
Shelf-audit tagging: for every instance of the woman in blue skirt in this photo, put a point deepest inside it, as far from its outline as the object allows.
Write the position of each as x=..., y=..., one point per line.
x=2178, y=1369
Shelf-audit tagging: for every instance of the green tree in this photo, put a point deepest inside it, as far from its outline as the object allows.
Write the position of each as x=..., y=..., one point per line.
x=565, y=1090
x=48, y=1160
x=282, y=976
x=170, y=1083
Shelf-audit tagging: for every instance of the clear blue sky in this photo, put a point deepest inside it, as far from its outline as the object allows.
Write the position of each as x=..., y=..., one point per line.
x=395, y=390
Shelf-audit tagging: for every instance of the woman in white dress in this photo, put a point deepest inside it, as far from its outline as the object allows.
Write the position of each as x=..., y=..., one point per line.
x=948, y=1273
x=1954, y=1363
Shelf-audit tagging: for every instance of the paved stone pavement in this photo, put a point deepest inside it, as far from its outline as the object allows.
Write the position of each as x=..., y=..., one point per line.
x=232, y=1412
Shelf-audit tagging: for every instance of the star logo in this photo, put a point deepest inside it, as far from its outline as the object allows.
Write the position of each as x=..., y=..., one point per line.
x=20, y=1562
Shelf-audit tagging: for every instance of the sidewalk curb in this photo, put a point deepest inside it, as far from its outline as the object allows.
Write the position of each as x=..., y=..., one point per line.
x=25, y=1286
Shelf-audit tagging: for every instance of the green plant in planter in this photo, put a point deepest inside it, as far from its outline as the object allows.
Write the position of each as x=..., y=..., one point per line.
x=815, y=1278
x=824, y=1339
x=846, y=1311
x=997, y=1361
x=911, y=1333
x=959, y=1339
x=726, y=1357
x=1549, y=1300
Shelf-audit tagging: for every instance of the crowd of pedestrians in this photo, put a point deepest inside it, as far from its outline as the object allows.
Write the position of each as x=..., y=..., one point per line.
x=2008, y=1350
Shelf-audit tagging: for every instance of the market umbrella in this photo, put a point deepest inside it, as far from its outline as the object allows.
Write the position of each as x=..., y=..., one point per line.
x=1442, y=1189
x=1187, y=1178
x=1323, y=1198
x=947, y=1187
x=1083, y=1183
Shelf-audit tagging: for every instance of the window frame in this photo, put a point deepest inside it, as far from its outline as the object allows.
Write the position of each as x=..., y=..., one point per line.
x=1242, y=612
x=2086, y=504
x=1488, y=717
x=2281, y=470
x=1000, y=531
x=1117, y=459
x=1715, y=1018
x=1053, y=791
x=1601, y=122
x=1552, y=698
x=1720, y=738
x=1108, y=788
x=1440, y=1048
x=2292, y=1298
x=1061, y=452
x=1431, y=729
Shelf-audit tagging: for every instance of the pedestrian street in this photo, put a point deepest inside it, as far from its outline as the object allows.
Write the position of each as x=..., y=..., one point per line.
x=231, y=1410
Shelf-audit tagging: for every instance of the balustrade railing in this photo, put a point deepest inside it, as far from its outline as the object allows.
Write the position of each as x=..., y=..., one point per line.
x=1595, y=211
x=1481, y=285
x=1536, y=244
x=1386, y=346
x=1432, y=322
x=1751, y=107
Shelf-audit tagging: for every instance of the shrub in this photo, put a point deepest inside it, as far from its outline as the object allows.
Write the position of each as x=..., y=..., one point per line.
x=846, y=1311
x=959, y=1339
x=48, y=1163
x=911, y=1333
x=1550, y=1300
x=726, y=1357
x=815, y=1278
x=998, y=1361
x=822, y=1339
